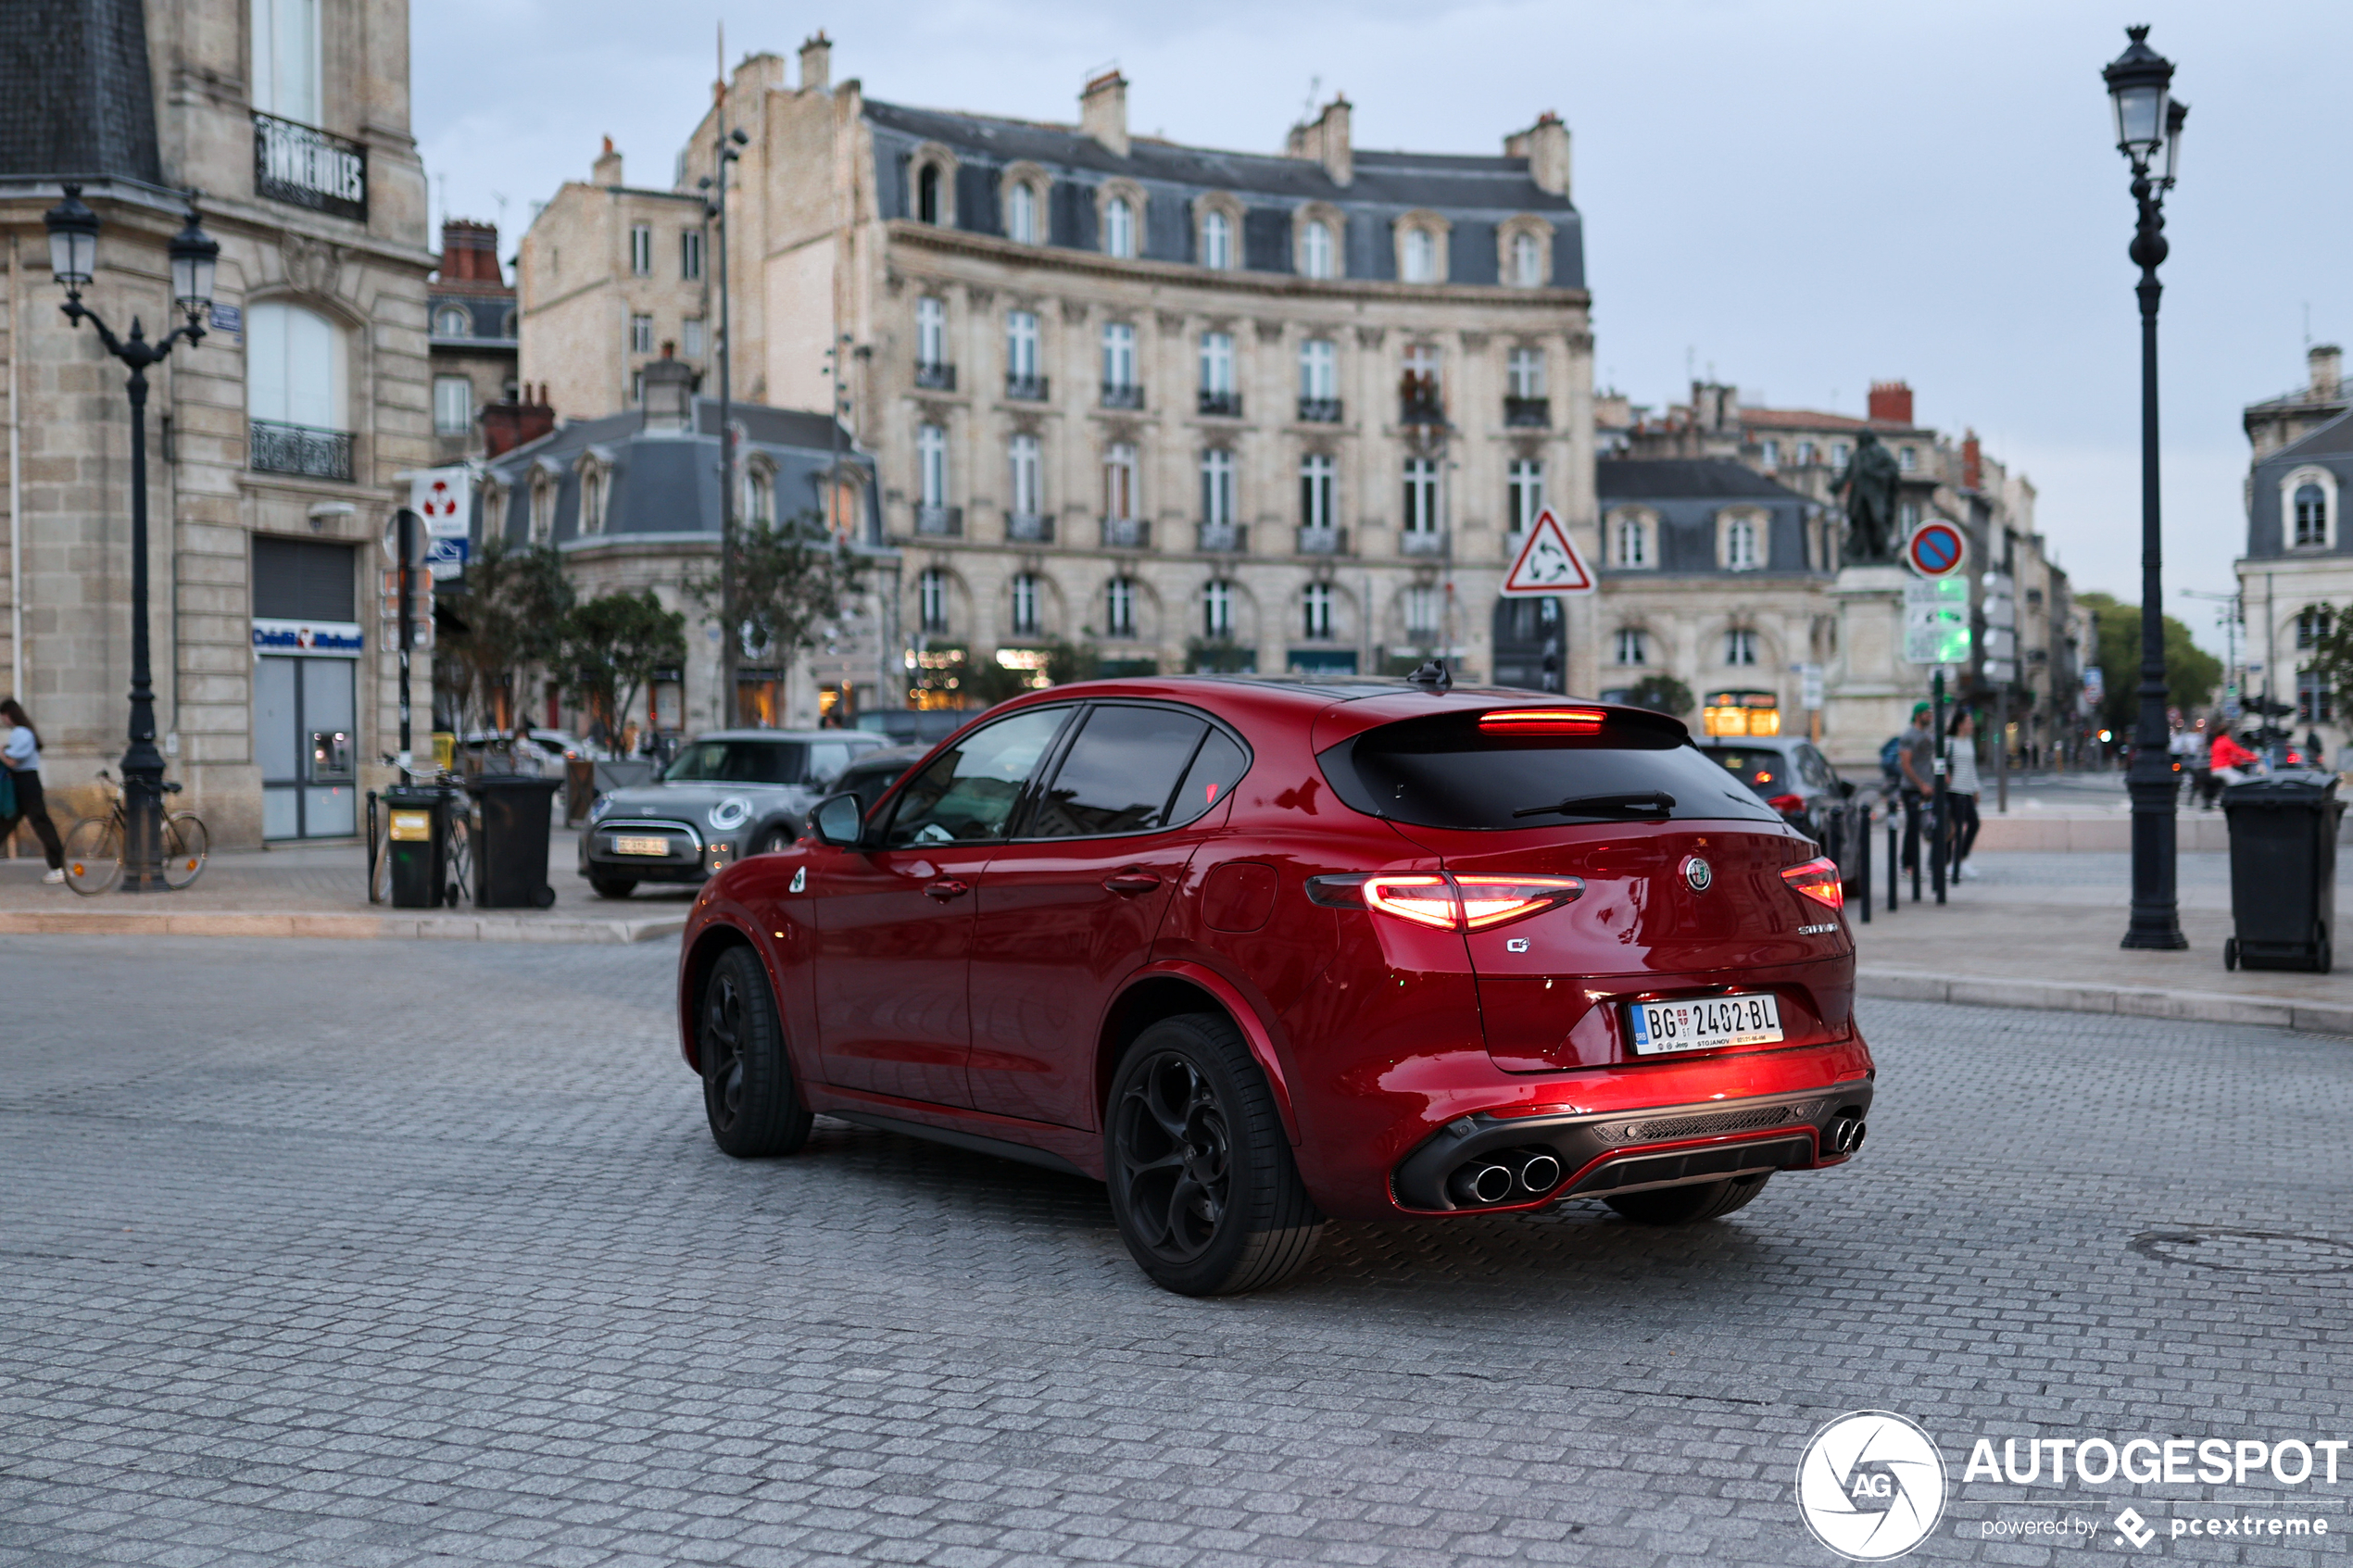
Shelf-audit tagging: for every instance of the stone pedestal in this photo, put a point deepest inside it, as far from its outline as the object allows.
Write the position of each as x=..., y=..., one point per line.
x=1869, y=689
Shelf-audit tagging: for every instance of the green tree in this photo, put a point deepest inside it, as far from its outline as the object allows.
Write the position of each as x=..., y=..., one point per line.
x=2191, y=672
x=790, y=581
x=513, y=607
x=2331, y=655
x=611, y=646
x=1661, y=694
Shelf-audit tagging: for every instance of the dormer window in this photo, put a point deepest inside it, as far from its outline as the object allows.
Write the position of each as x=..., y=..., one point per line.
x=927, y=202
x=2311, y=516
x=1421, y=257
x=1216, y=241
x=1528, y=262
x=1316, y=250
x=1119, y=229
x=452, y=321
x=1021, y=215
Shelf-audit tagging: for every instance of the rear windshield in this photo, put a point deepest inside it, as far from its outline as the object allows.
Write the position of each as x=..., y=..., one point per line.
x=1444, y=772
x=1756, y=768
x=740, y=761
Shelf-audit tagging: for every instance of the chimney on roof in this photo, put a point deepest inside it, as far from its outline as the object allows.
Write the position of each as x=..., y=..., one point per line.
x=1326, y=140
x=510, y=422
x=605, y=170
x=817, y=63
x=1103, y=110
x=2326, y=362
x=1715, y=408
x=1972, y=463
x=469, y=252
x=1545, y=146
x=1891, y=402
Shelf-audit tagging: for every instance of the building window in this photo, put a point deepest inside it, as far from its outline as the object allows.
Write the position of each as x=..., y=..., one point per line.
x=1908, y=457
x=1740, y=646
x=1633, y=645
x=1421, y=612
x=543, y=510
x=1316, y=602
x=690, y=254
x=1907, y=516
x=1318, y=371
x=927, y=194
x=1021, y=343
x=690, y=335
x=1630, y=541
x=1769, y=454
x=1217, y=488
x=1027, y=494
x=637, y=388
x=1119, y=607
x=1421, y=255
x=1838, y=454
x=294, y=368
x=286, y=60
x=1421, y=496
x=760, y=497
x=931, y=466
x=453, y=405
x=931, y=332
x=1315, y=492
x=592, y=501
x=1021, y=214
x=1523, y=492
x=1315, y=248
x=1119, y=356
x=1217, y=610
x=1528, y=260
x=2311, y=516
x=641, y=334
x=1743, y=545
x=1419, y=398
x=641, y=250
x=1217, y=365
x=931, y=599
x=1025, y=597
x=1524, y=373
x=1119, y=229
x=2315, y=704
x=1216, y=241
x=1119, y=481
x=1805, y=454
x=452, y=321
x=2313, y=624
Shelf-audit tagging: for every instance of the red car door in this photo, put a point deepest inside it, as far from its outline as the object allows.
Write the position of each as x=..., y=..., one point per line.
x=894, y=922
x=1068, y=910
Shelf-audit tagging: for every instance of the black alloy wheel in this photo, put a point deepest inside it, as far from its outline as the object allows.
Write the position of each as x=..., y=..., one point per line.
x=1202, y=1182
x=748, y=1090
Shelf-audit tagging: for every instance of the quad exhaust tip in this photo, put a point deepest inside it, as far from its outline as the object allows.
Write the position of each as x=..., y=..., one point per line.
x=1847, y=1132
x=1515, y=1174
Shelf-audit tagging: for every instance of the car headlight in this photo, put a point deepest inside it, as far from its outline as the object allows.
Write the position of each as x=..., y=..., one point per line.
x=730, y=813
x=603, y=805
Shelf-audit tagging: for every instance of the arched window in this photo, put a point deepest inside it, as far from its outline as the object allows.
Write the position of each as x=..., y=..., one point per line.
x=1119, y=229
x=1421, y=257
x=1421, y=612
x=1528, y=260
x=1740, y=646
x=1026, y=595
x=1217, y=610
x=592, y=501
x=1315, y=248
x=760, y=497
x=1316, y=606
x=294, y=368
x=2312, y=514
x=931, y=599
x=1216, y=241
x=2312, y=624
x=927, y=194
x=1021, y=214
x=452, y=321
x=1633, y=645
x=1119, y=607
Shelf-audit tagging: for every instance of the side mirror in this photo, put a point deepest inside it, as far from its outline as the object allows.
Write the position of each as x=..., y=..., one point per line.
x=838, y=820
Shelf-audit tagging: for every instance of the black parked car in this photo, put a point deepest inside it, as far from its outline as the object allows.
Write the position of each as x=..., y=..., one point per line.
x=873, y=772
x=1791, y=774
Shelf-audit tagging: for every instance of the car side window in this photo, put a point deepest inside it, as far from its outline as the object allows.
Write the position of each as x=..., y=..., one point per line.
x=1216, y=768
x=826, y=758
x=1120, y=774
x=970, y=790
x=1813, y=768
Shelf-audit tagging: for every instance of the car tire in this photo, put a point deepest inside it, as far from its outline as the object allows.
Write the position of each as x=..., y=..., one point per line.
x=1690, y=1205
x=748, y=1090
x=1202, y=1183
x=612, y=886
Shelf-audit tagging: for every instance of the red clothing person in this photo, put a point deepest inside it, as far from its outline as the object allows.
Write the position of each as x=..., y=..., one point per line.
x=2228, y=753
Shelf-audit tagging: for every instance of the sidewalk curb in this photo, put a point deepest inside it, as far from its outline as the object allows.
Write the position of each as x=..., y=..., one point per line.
x=2129, y=1001
x=335, y=926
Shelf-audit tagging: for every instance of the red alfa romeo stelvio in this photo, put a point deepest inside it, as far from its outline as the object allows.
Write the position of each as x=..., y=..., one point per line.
x=1255, y=952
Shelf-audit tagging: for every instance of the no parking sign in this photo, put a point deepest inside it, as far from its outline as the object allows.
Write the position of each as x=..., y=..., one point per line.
x=1937, y=548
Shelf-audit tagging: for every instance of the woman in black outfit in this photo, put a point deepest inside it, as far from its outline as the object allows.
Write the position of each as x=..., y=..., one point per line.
x=21, y=754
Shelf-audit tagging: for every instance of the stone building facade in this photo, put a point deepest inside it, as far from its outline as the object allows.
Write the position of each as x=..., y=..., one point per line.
x=272, y=443
x=2296, y=580
x=1182, y=407
x=471, y=311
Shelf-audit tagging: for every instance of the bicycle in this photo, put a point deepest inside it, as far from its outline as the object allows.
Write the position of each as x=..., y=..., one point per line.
x=457, y=853
x=94, y=846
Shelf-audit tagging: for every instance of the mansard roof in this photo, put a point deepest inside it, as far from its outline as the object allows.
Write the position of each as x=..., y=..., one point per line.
x=78, y=101
x=2333, y=439
x=1686, y=479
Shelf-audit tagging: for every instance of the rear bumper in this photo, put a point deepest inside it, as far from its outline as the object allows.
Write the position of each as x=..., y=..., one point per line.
x=1613, y=1151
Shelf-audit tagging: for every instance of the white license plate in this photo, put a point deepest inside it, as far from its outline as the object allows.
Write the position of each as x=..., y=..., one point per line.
x=624, y=844
x=1700, y=1023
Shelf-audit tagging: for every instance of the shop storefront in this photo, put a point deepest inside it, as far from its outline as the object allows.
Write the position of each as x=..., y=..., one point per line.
x=306, y=643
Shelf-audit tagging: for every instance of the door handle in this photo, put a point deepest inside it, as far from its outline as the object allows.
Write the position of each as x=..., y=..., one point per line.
x=946, y=888
x=1130, y=882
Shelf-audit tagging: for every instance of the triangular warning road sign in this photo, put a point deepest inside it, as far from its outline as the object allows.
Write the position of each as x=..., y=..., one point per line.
x=1548, y=563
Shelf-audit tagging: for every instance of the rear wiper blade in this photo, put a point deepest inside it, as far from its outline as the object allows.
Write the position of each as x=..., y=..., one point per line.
x=1649, y=802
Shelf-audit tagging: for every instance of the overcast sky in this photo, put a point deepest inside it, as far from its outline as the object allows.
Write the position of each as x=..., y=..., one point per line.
x=1803, y=198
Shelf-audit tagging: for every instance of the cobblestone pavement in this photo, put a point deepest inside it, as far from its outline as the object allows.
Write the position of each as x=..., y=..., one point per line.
x=361, y=1253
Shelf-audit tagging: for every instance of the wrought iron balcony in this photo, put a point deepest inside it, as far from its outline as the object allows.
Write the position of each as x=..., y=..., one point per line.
x=300, y=449
x=1224, y=405
x=305, y=167
x=1024, y=389
x=1528, y=412
x=1127, y=534
x=1323, y=541
x=935, y=378
x=1225, y=538
x=1030, y=528
x=945, y=522
x=1422, y=542
x=1319, y=410
x=1122, y=394
x=1416, y=409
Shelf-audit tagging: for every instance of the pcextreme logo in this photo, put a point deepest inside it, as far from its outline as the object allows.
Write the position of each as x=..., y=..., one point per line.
x=1871, y=1486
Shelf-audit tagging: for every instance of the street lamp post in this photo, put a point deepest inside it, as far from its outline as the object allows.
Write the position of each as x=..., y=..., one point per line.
x=2148, y=120
x=715, y=208
x=73, y=256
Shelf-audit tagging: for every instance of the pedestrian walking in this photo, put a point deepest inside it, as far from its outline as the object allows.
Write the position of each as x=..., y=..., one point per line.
x=1916, y=764
x=1961, y=788
x=20, y=759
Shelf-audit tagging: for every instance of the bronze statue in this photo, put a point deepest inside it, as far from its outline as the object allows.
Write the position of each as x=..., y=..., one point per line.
x=1868, y=488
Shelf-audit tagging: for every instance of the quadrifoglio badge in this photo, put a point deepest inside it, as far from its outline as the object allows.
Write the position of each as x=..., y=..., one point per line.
x=1872, y=1485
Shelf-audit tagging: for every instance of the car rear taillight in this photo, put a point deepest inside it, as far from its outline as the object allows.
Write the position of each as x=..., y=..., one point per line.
x=1818, y=880
x=1445, y=903
x=1786, y=804
x=1542, y=722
